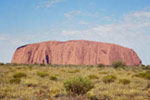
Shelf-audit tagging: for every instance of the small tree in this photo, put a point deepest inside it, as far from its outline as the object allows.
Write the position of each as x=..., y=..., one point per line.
x=117, y=64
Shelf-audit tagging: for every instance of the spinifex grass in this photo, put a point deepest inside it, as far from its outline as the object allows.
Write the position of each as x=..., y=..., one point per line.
x=40, y=82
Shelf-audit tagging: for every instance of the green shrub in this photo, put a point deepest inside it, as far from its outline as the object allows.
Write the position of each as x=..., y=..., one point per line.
x=100, y=65
x=42, y=74
x=118, y=64
x=54, y=78
x=93, y=77
x=78, y=85
x=124, y=81
x=109, y=78
x=145, y=75
x=15, y=80
x=19, y=75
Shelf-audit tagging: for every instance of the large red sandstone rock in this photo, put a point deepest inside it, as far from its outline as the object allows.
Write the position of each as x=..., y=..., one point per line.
x=76, y=52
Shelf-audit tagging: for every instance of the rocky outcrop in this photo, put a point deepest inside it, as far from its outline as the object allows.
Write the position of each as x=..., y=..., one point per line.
x=77, y=52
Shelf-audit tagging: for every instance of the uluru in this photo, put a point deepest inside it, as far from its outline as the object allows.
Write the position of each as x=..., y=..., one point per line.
x=75, y=52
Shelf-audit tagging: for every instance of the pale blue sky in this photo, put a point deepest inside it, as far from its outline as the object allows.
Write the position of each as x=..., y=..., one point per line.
x=124, y=22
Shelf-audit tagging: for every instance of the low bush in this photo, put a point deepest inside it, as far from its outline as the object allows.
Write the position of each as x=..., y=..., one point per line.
x=109, y=78
x=15, y=80
x=19, y=75
x=118, y=64
x=124, y=81
x=145, y=75
x=42, y=74
x=54, y=78
x=100, y=65
x=93, y=77
x=78, y=85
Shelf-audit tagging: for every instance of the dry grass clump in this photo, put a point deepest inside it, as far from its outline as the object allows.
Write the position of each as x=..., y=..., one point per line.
x=74, y=71
x=102, y=72
x=15, y=80
x=19, y=75
x=93, y=77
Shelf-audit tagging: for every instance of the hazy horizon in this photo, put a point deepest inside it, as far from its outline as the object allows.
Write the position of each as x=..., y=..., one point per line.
x=122, y=22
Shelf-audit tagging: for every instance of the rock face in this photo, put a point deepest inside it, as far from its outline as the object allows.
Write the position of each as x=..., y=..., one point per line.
x=76, y=52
